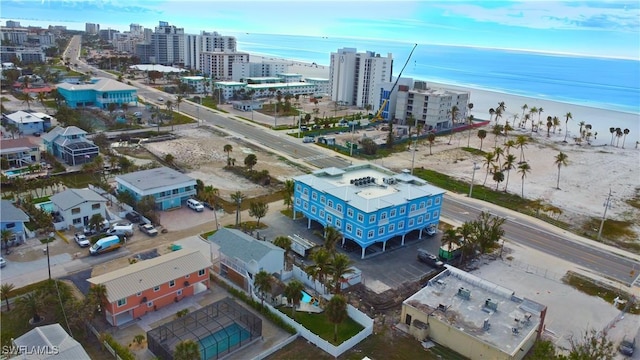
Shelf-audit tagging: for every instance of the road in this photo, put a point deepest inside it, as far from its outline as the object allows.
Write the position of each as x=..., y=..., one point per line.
x=519, y=229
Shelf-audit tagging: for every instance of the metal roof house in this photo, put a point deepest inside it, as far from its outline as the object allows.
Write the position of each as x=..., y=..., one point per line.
x=99, y=92
x=70, y=145
x=49, y=342
x=477, y=318
x=76, y=207
x=238, y=256
x=169, y=187
x=29, y=123
x=12, y=218
x=148, y=285
x=368, y=203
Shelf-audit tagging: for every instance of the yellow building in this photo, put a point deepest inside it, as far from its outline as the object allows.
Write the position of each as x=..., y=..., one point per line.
x=474, y=317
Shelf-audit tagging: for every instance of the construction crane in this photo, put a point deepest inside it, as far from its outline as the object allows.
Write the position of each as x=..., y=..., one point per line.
x=378, y=116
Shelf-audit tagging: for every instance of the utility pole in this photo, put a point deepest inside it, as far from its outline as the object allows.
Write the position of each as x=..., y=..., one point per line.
x=473, y=176
x=607, y=204
x=415, y=144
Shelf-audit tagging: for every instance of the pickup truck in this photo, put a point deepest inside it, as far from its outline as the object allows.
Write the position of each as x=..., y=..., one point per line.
x=148, y=229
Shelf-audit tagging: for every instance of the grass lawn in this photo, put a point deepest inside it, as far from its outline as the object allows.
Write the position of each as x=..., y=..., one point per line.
x=319, y=325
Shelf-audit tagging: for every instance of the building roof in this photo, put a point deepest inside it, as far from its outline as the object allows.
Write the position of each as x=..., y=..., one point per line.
x=154, y=178
x=279, y=85
x=147, y=274
x=236, y=244
x=100, y=84
x=384, y=189
x=49, y=338
x=62, y=131
x=465, y=301
x=10, y=213
x=160, y=68
x=74, y=197
x=23, y=144
x=23, y=117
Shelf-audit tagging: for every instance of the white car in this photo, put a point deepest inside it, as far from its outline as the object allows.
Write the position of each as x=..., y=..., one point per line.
x=3, y=262
x=195, y=205
x=148, y=229
x=82, y=240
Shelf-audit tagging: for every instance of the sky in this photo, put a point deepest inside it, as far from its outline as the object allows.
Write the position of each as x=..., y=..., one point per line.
x=592, y=28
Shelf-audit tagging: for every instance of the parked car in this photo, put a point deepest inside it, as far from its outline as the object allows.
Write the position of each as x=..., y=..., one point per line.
x=432, y=230
x=133, y=216
x=106, y=244
x=429, y=259
x=121, y=230
x=195, y=205
x=82, y=240
x=3, y=262
x=627, y=347
x=148, y=229
x=207, y=205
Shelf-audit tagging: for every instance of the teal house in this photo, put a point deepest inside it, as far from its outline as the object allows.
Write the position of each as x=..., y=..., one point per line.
x=100, y=92
x=169, y=187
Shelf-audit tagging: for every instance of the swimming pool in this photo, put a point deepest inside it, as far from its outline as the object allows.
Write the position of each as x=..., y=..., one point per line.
x=46, y=206
x=222, y=340
x=309, y=299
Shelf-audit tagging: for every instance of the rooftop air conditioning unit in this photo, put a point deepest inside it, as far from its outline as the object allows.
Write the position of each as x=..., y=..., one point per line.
x=490, y=304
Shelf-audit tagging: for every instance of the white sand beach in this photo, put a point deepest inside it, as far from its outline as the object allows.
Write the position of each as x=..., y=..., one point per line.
x=584, y=184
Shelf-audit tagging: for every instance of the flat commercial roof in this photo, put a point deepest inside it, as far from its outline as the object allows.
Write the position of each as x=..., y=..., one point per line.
x=465, y=302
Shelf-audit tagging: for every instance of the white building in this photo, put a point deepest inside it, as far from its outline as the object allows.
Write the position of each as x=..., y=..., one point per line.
x=431, y=107
x=91, y=28
x=219, y=65
x=195, y=44
x=243, y=70
x=322, y=86
x=76, y=207
x=196, y=83
x=356, y=77
x=167, y=43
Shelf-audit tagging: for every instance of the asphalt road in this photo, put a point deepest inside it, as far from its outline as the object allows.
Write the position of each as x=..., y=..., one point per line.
x=519, y=230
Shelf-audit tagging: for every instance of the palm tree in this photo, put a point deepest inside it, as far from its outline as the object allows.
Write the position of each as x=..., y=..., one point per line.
x=498, y=152
x=293, y=292
x=562, y=159
x=228, y=149
x=187, y=350
x=31, y=304
x=482, y=134
x=626, y=132
x=331, y=238
x=556, y=123
x=533, y=111
x=509, y=163
x=508, y=145
x=237, y=198
x=491, y=112
x=540, y=110
x=470, y=124
x=258, y=210
x=262, y=283
x=454, y=115
x=5, y=292
x=618, y=135
x=488, y=161
x=250, y=161
x=318, y=270
x=451, y=237
x=283, y=242
x=288, y=193
x=338, y=268
x=524, y=169
x=431, y=137
x=524, y=108
x=6, y=234
x=336, y=311
x=521, y=143
x=567, y=116
x=611, y=130
x=498, y=176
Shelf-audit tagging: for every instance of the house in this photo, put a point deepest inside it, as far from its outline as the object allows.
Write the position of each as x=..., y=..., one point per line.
x=75, y=207
x=476, y=318
x=169, y=187
x=13, y=219
x=368, y=203
x=238, y=256
x=70, y=145
x=18, y=153
x=149, y=285
x=99, y=92
x=27, y=123
x=48, y=342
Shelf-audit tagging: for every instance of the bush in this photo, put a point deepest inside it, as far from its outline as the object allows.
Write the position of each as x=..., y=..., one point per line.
x=121, y=351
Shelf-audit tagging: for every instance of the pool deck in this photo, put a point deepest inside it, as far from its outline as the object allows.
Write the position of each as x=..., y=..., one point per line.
x=308, y=308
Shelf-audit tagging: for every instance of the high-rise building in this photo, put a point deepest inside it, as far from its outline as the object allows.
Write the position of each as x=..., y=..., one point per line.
x=356, y=77
x=431, y=107
x=205, y=42
x=167, y=43
x=243, y=70
x=92, y=29
x=13, y=24
x=219, y=65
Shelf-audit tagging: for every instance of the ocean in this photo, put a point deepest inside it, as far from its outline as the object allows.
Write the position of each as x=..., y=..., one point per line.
x=604, y=83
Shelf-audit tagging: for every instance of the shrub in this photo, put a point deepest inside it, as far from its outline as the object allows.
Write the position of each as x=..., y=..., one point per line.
x=123, y=352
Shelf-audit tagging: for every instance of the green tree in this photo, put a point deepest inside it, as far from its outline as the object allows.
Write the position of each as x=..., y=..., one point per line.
x=488, y=162
x=5, y=291
x=431, y=138
x=95, y=222
x=283, y=242
x=187, y=350
x=482, y=134
x=567, y=116
x=262, y=283
x=339, y=266
x=293, y=292
x=238, y=197
x=521, y=143
x=6, y=234
x=561, y=160
x=250, y=161
x=451, y=237
x=228, y=148
x=258, y=210
x=288, y=193
x=593, y=345
x=369, y=147
x=32, y=304
x=542, y=350
x=509, y=164
x=488, y=230
x=336, y=311
x=169, y=159
x=320, y=267
x=453, y=113
x=498, y=177
x=331, y=237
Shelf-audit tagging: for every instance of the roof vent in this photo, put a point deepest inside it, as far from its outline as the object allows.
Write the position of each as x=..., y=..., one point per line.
x=464, y=293
x=490, y=304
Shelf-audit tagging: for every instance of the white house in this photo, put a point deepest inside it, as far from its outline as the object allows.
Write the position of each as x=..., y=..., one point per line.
x=29, y=123
x=49, y=342
x=238, y=257
x=75, y=207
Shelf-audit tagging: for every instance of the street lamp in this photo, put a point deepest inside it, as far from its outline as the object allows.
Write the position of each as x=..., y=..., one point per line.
x=473, y=176
x=353, y=131
x=607, y=204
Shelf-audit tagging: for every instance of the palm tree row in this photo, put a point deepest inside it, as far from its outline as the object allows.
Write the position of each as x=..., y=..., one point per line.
x=330, y=267
x=480, y=235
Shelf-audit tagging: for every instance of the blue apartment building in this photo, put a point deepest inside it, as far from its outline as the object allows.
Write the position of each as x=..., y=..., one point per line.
x=368, y=203
x=169, y=187
x=100, y=92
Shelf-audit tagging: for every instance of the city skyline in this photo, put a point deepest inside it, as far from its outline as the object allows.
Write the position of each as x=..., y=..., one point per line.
x=602, y=29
